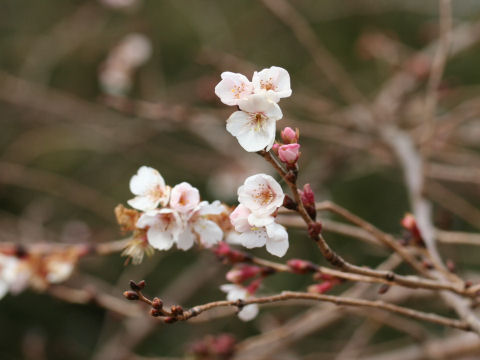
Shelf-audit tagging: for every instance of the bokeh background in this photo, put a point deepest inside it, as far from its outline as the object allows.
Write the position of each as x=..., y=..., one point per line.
x=92, y=90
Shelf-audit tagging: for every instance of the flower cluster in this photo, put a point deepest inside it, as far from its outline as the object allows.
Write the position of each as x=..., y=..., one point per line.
x=17, y=271
x=181, y=220
x=254, y=123
x=254, y=218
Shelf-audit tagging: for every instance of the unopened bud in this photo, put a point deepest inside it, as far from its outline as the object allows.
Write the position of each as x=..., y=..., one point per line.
x=141, y=284
x=130, y=295
x=169, y=320
x=253, y=286
x=300, y=266
x=383, y=288
x=289, y=136
x=410, y=224
x=289, y=153
x=320, y=288
x=314, y=229
x=275, y=148
x=242, y=273
x=176, y=310
x=289, y=203
x=308, y=200
x=155, y=312
x=157, y=303
x=134, y=286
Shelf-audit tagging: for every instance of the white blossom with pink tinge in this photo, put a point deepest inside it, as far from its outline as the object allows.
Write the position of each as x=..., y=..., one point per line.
x=274, y=82
x=274, y=236
x=262, y=195
x=14, y=275
x=164, y=227
x=184, y=197
x=150, y=188
x=254, y=126
x=196, y=225
x=236, y=292
x=233, y=87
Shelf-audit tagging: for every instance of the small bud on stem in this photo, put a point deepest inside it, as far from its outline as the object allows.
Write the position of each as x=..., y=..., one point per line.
x=131, y=295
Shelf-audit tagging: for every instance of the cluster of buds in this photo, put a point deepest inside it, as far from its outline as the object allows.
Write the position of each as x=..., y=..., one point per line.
x=221, y=347
x=175, y=313
x=289, y=151
x=413, y=232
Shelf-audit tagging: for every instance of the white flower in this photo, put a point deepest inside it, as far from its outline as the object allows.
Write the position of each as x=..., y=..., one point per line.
x=164, y=227
x=236, y=292
x=197, y=223
x=14, y=275
x=262, y=195
x=275, y=82
x=254, y=126
x=184, y=197
x=233, y=87
x=150, y=189
x=58, y=271
x=273, y=235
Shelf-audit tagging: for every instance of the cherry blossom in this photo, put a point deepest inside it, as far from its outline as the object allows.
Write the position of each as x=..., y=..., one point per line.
x=274, y=82
x=233, y=87
x=14, y=275
x=197, y=224
x=274, y=236
x=262, y=195
x=254, y=126
x=150, y=188
x=164, y=227
x=184, y=197
x=236, y=292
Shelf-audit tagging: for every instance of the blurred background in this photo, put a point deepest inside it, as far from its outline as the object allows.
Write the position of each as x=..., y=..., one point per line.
x=92, y=90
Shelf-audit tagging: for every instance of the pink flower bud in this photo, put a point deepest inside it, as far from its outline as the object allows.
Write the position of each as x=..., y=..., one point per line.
x=289, y=136
x=275, y=148
x=254, y=285
x=320, y=288
x=240, y=274
x=289, y=153
x=307, y=195
x=409, y=223
x=301, y=266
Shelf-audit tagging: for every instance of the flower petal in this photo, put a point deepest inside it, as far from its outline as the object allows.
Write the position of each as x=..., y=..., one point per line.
x=248, y=313
x=277, y=241
x=186, y=239
x=160, y=239
x=254, y=238
x=145, y=179
x=208, y=231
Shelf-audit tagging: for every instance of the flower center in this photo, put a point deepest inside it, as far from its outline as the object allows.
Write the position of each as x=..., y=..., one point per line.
x=157, y=192
x=257, y=120
x=267, y=85
x=264, y=195
x=237, y=90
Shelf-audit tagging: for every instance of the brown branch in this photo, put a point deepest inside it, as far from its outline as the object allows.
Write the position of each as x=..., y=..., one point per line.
x=337, y=261
x=290, y=295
